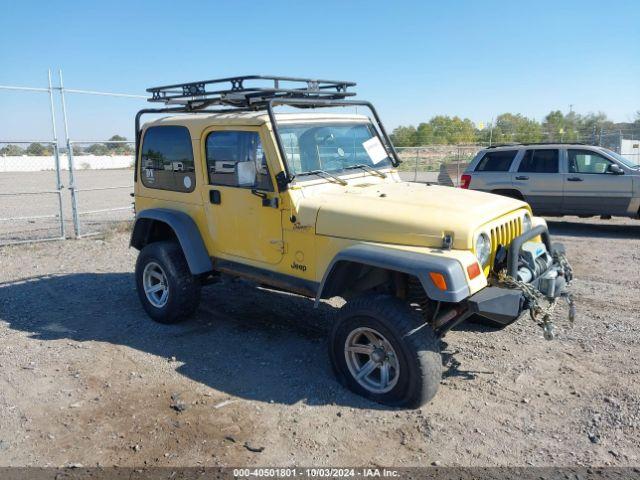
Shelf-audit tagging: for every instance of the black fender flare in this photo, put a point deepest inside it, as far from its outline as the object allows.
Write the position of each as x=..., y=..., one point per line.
x=412, y=263
x=186, y=232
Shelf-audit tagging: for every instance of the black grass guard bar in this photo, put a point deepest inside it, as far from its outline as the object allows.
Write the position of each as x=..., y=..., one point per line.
x=516, y=246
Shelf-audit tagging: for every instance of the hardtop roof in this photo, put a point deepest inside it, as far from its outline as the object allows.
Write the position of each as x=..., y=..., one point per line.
x=203, y=120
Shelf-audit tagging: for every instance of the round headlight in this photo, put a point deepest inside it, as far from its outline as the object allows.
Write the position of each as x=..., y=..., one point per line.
x=483, y=249
x=526, y=223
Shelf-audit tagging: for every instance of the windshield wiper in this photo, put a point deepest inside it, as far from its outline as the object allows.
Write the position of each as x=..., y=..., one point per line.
x=322, y=173
x=366, y=168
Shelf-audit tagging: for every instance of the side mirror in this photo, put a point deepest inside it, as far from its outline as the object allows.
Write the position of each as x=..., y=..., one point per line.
x=615, y=169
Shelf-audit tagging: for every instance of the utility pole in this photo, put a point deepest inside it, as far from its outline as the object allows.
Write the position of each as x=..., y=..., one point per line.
x=620, y=141
x=491, y=132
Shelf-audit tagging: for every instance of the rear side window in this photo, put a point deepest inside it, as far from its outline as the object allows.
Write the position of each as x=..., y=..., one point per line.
x=539, y=161
x=496, y=161
x=167, y=159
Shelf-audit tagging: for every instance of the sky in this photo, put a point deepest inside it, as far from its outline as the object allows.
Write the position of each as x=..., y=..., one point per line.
x=412, y=59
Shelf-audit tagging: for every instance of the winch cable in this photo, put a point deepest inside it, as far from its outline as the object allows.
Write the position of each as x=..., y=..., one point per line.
x=541, y=313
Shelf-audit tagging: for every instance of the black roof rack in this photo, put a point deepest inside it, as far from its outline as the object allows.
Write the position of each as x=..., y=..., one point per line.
x=498, y=145
x=525, y=144
x=257, y=92
x=248, y=92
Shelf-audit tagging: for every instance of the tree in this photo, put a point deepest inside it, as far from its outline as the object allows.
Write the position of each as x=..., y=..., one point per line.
x=404, y=136
x=443, y=129
x=98, y=149
x=595, y=121
x=119, y=148
x=11, y=151
x=78, y=150
x=554, y=125
x=37, y=149
x=509, y=128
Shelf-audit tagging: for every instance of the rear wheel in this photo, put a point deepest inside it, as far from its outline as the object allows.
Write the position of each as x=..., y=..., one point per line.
x=168, y=291
x=378, y=351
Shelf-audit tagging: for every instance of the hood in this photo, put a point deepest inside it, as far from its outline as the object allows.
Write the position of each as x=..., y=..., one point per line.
x=406, y=213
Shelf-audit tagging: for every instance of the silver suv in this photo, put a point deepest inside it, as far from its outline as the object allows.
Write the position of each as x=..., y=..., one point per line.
x=559, y=179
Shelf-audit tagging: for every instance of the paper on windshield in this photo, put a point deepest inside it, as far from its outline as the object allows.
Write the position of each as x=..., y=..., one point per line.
x=375, y=150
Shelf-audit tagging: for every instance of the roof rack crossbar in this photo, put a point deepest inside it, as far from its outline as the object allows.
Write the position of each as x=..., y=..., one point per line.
x=196, y=95
x=525, y=144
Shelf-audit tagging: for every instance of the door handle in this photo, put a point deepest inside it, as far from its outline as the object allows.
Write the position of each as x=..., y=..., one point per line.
x=522, y=177
x=214, y=197
x=574, y=179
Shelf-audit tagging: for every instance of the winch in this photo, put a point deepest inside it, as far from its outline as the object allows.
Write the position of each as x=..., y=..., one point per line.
x=534, y=260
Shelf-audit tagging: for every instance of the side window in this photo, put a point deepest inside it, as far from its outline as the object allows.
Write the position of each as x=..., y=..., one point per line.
x=539, y=161
x=236, y=159
x=167, y=159
x=586, y=161
x=496, y=161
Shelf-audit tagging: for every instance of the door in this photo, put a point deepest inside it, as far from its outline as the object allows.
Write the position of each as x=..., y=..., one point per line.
x=538, y=178
x=243, y=210
x=593, y=187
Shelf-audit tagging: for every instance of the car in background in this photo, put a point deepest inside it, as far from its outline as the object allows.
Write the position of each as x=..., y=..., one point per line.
x=559, y=179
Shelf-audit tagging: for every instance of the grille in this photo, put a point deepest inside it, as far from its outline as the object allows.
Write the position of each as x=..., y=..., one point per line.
x=505, y=233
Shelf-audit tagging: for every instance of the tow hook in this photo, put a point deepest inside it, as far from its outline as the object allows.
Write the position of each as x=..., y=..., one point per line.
x=549, y=329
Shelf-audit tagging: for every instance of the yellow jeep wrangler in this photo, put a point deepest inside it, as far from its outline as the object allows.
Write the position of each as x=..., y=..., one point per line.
x=312, y=203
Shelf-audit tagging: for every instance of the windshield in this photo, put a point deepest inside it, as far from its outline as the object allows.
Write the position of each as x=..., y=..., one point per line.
x=624, y=160
x=331, y=147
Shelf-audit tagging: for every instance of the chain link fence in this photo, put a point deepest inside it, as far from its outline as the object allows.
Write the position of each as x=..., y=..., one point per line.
x=436, y=164
x=31, y=196
x=33, y=174
x=101, y=186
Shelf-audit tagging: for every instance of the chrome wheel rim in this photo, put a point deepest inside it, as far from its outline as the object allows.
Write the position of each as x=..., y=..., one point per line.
x=372, y=360
x=155, y=284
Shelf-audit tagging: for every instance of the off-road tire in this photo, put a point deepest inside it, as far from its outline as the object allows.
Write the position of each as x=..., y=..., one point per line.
x=418, y=353
x=184, y=288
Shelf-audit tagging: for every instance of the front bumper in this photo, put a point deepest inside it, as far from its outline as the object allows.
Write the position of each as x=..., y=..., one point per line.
x=505, y=305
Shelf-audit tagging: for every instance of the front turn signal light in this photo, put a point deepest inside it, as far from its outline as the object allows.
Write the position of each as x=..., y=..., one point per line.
x=473, y=270
x=438, y=280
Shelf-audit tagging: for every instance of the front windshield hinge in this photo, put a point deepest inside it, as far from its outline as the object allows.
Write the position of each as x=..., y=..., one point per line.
x=283, y=181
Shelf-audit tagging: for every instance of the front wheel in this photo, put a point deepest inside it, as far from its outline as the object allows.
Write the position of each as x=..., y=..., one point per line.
x=167, y=290
x=380, y=349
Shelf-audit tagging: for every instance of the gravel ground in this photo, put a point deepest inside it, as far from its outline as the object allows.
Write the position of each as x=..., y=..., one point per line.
x=88, y=379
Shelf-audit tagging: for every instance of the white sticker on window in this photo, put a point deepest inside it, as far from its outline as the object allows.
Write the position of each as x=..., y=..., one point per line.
x=375, y=150
x=246, y=174
x=187, y=182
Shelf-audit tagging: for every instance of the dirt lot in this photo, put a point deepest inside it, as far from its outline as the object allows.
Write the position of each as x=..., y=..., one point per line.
x=88, y=379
